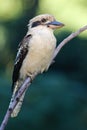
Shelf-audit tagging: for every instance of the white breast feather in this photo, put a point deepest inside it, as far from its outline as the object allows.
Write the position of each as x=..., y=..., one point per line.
x=39, y=56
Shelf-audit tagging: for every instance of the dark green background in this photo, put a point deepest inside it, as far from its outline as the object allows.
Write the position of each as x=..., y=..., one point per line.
x=57, y=99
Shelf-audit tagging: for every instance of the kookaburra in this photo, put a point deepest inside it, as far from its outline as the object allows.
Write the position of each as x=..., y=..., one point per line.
x=35, y=52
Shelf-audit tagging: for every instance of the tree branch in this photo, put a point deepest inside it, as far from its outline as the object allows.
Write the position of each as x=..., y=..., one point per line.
x=13, y=104
x=66, y=40
x=27, y=82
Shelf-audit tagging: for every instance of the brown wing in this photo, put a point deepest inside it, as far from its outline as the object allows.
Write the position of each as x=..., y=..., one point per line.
x=21, y=54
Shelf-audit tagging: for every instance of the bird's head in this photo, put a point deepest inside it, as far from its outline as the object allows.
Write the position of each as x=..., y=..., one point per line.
x=46, y=20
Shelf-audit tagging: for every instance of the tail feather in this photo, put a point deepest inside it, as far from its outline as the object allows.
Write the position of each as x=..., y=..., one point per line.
x=19, y=104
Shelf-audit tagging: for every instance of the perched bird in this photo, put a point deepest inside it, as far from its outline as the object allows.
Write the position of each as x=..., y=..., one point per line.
x=35, y=52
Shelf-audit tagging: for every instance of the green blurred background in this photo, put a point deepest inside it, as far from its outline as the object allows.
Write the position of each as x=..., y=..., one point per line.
x=57, y=99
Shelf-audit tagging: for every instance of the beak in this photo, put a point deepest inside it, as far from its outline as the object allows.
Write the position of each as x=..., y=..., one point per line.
x=55, y=24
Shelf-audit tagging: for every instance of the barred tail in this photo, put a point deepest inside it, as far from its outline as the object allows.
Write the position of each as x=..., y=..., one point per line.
x=19, y=104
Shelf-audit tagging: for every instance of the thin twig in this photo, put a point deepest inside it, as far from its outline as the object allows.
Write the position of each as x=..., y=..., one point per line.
x=66, y=40
x=27, y=82
x=12, y=105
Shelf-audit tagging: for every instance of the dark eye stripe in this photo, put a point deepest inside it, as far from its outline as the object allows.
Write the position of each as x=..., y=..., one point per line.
x=34, y=24
x=43, y=20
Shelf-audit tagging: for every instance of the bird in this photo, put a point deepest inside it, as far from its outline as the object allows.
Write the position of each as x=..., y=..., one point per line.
x=35, y=53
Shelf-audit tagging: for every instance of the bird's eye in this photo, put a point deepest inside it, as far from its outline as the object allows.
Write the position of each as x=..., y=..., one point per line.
x=43, y=20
